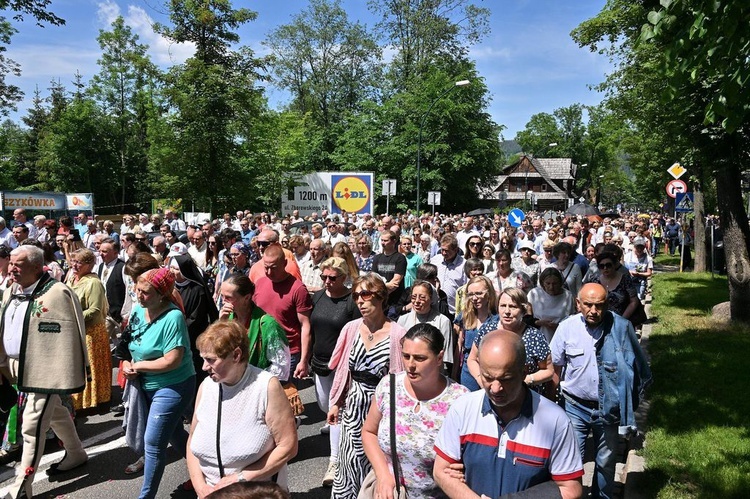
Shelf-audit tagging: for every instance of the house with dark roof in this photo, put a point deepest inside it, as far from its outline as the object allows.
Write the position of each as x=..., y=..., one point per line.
x=535, y=183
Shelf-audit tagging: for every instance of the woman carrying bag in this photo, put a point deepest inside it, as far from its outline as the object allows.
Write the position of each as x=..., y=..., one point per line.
x=418, y=398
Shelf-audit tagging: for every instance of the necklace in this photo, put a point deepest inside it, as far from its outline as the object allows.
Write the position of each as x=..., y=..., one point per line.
x=370, y=333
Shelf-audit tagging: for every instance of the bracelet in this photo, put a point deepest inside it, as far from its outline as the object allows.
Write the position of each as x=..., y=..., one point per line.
x=531, y=377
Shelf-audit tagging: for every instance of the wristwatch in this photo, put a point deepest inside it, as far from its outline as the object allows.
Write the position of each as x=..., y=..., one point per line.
x=240, y=477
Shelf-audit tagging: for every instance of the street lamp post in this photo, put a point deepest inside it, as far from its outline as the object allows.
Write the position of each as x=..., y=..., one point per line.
x=461, y=83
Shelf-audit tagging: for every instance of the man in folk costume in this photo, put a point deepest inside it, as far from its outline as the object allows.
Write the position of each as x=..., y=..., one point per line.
x=43, y=350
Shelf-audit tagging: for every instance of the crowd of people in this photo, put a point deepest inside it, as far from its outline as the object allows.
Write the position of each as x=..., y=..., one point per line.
x=497, y=348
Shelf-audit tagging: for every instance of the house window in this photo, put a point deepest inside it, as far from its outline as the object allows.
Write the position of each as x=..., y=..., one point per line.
x=544, y=187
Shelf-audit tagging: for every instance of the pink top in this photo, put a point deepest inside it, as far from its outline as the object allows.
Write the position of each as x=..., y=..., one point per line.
x=340, y=357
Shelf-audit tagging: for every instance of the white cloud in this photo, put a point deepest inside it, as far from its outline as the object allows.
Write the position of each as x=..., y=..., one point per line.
x=163, y=51
x=486, y=52
x=107, y=12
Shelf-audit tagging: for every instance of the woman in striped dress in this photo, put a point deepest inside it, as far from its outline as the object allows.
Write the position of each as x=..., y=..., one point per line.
x=367, y=349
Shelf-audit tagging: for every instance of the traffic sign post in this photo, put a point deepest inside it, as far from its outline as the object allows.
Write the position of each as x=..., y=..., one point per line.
x=433, y=198
x=675, y=187
x=389, y=189
x=684, y=202
x=515, y=217
x=676, y=170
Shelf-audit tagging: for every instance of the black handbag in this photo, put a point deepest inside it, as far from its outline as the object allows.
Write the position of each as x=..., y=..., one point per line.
x=122, y=352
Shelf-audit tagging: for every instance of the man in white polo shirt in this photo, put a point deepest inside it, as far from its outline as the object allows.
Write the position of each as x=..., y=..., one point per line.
x=509, y=438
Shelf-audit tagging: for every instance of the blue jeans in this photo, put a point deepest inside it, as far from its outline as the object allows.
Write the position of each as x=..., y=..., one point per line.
x=164, y=426
x=605, y=438
x=293, y=362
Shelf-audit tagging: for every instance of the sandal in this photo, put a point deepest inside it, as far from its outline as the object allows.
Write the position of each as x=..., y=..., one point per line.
x=135, y=467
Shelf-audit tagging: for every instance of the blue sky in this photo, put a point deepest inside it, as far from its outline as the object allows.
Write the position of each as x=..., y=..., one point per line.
x=529, y=62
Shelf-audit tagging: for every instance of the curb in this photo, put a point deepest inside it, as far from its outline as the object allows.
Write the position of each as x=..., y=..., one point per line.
x=635, y=464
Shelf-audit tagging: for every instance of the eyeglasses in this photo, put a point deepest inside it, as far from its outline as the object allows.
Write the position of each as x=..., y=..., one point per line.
x=606, y=265
x=364, y=294
x=480, y=294
x=329, y=278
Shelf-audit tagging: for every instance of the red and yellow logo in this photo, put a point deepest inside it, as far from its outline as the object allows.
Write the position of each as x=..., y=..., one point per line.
x=351, y=194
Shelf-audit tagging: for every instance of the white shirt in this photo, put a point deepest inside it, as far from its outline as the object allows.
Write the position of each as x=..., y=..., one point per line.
x=15, y=315
x=6, y=237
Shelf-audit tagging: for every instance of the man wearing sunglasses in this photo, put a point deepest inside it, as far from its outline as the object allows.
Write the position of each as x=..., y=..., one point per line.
x=334, y=236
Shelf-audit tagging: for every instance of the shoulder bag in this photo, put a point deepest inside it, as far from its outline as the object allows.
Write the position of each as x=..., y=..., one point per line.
x=369, y=485
x=274, y=478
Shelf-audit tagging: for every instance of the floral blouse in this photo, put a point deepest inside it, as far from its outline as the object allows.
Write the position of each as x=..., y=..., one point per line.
x=417, y=425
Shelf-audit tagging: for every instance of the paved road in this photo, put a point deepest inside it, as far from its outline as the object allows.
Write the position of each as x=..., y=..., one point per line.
x=104, y=477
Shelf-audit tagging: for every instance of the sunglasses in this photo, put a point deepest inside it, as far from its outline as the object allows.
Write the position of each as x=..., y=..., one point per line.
x=606, y=265
x=474, y=244
x=328, y=277
x=263, y=244
x=364, y=294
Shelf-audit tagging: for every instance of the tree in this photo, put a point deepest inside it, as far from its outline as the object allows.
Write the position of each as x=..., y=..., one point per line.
x=460, y=151
x=424, y=31
x=124, y=88
x=329, y=64
x=76, y=152
x=12, y=151
x=11, y=94
x=678, y=70
x=195, y=151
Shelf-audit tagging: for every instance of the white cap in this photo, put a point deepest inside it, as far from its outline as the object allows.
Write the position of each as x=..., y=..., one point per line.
x=177, y=249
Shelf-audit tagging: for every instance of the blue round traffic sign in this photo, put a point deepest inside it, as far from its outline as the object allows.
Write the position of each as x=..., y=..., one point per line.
x=516, y=216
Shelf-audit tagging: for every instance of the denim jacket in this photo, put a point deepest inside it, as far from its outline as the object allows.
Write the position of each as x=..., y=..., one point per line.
x=624, y=373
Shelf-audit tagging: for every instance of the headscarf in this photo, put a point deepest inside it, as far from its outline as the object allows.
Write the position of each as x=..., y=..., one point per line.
x=163, y=282
x=250, y=255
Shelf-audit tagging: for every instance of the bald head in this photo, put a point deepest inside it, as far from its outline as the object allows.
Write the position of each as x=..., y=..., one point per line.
x=501, y=365
x=502, y=344
x=592, y=303
x=274, y=253
x=268, y=235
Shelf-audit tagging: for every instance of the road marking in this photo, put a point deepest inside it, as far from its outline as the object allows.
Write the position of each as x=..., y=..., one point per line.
x=89, y=444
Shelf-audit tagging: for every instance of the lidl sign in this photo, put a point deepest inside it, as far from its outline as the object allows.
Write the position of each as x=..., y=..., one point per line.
x=335, y=192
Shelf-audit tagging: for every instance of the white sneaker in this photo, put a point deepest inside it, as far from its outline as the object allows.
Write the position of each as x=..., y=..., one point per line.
x=333, y=467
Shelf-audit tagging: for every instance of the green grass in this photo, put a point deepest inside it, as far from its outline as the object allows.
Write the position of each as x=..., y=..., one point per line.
x=662, y=259
x=698, y=440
